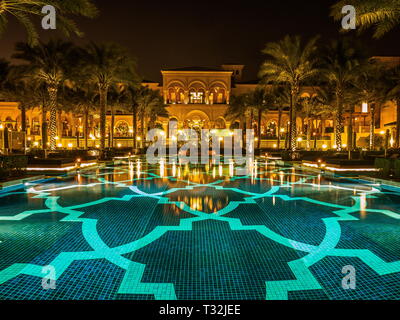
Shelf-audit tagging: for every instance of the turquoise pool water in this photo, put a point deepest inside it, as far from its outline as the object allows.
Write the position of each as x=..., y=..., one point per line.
x=139, y=231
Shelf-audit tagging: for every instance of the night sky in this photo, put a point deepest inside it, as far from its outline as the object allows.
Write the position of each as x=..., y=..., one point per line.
x=167, y=34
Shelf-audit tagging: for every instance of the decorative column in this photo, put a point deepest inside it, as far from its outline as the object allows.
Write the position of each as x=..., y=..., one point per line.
x=186, y=97
x=165, y=97
x=207, y=97
x=228, y=96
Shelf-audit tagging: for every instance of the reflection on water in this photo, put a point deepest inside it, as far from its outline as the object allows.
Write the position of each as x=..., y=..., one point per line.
x=197, y=181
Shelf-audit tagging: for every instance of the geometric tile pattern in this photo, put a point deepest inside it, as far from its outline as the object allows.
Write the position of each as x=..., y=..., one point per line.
x=139, y=231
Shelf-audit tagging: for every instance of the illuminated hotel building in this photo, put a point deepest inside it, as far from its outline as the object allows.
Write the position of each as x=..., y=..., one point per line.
x=198, y=97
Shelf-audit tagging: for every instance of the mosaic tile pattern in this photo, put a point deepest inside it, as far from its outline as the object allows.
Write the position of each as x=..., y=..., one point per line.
x=140, y=231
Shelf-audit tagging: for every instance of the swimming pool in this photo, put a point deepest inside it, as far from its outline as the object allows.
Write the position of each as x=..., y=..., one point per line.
x=140, y=231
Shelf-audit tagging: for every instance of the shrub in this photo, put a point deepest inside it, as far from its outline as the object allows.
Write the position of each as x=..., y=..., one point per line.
x=384, y=166
x=397, y=168
x=12, y=166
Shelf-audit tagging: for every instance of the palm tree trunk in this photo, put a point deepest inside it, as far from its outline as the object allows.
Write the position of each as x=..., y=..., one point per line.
x=86, y=127
x=398, y=123
x=44, y=128
x=279, y=128
x=260, y=114
x=372, y=129
x=293, y=128
x=243, y=124
x=309, y=124
x=52, y=90
x=339, y=121
x=134, y=126
x=112, y=127
x=350, y=135
x=103, y=103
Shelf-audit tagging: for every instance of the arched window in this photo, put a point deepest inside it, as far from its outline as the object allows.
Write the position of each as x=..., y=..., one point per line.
x=272, y=130
x=122, y=129
x=217, y=94
x=220, y=124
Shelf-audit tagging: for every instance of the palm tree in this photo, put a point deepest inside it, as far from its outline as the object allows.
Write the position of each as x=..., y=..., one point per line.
x=372, y=89
x=261, y=100
x=115, y=96
x=107, y=65
x=382, y=15
x=290, y=62
x=83, y=98
x=49, y=63
x=19, y=88
x=239, y=109
x=151, y=105
x=341, y=62
x=131, y=94
x=27, y=10
x=393, y=78
x=309, y=108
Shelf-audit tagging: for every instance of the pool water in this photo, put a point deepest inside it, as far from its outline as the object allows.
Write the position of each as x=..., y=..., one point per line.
x=140, y=231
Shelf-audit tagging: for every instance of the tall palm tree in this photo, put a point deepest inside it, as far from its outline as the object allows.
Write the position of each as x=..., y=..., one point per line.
x=131, y=94
x=341, y=62
x=309, y=107
x=239, y=108
x=290, y=62
x=24, y=11
x=393, y=78
x=261, y=100
x=371, y=88
x=49, y=63
x=151, y=105
x=382, y=15
x=83, y=98
x=106, y=65
x=20, y=88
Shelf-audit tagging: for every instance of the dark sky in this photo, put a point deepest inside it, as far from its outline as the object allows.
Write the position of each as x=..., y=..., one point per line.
x=166, y=34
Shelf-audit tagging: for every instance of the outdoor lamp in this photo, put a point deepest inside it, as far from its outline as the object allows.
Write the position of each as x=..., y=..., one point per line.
x=364, y=107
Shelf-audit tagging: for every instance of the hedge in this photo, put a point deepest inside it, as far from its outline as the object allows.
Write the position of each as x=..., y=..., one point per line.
x=11, y=166
x=397, y=168
x=384, y=165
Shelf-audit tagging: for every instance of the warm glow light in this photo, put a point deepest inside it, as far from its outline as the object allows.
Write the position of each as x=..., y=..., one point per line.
x=70, y=145
x=364, y=107
x=282, y=130
x=59, y=145
x=300, y=139
x=382, y=132
x=324, y=146
x=138, y=138
x=57, y=138
x=344, y=145
x=275, y=145
x=119, y=145
x=36, y=143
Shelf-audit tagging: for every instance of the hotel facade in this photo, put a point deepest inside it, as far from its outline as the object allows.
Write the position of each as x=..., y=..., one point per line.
x=199, y=98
